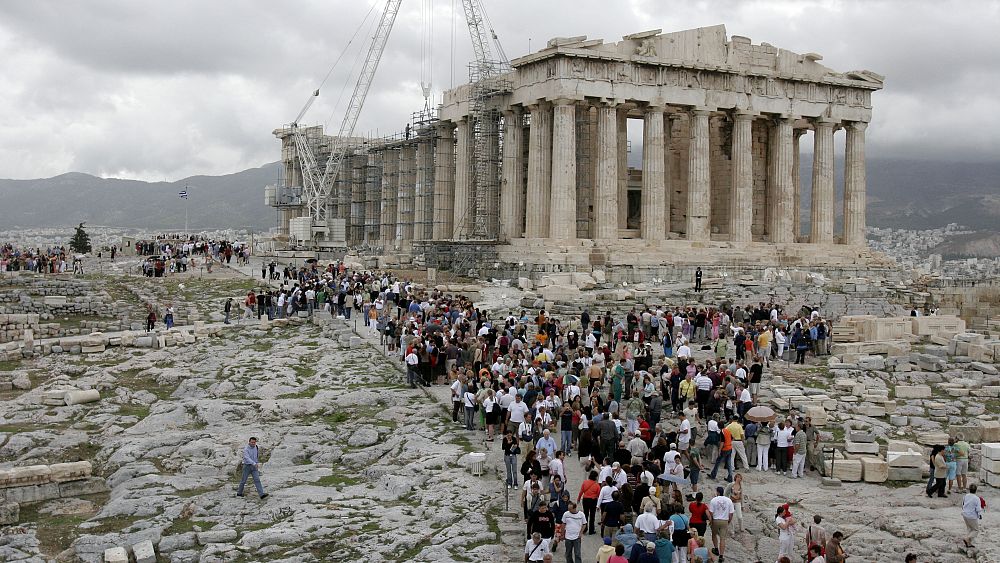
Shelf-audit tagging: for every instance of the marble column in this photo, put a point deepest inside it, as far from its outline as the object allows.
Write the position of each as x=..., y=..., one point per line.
x=444, y=182
x=463, y=214
x=606, y=211
x=390, y=194
x=699, y=201
x=562, y=209
x=373, y=199
x=539, y=172
x=512, y=176
x=407, y=197
x=821, y=207
x=622, y=124
x=653, y=185
x=357, y=222
x=780, y=190
x=487, y=197
x=421, y=190
x=855, y=185
x=741, y=194
x=796, y=184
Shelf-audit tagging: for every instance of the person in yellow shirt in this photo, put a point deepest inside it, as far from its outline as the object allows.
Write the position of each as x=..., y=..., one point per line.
x=764, y=346
x=688, y=389
x=736, y=429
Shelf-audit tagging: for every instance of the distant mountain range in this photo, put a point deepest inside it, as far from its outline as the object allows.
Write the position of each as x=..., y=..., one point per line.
x=901, y=194
x=228, y=201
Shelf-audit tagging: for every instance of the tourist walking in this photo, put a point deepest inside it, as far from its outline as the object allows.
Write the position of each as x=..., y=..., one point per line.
x=511, y=449
x=972, y=513
x=251, y=467
x=574, y=523
x=940, y=473
x=721, y=510
x=786, y=531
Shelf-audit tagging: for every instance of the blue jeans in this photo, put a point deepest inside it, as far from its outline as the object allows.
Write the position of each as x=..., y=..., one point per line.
x=510, y=462
x=573, y=547
x=566, y=440
x=728, y=457
x=470, y=418
x=249, y=470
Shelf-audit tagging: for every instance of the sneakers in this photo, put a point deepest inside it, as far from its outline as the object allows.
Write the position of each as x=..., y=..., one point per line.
x=264, y=496
x=239, y=494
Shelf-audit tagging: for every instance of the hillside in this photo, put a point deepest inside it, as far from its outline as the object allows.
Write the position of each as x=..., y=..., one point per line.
x=901, y=194
x=231, y=200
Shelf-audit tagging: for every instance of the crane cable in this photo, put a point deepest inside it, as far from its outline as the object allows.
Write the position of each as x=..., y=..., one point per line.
x=360, y=55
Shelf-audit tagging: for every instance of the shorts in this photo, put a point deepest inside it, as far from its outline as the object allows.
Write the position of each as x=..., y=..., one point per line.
x=963, y=466
x=754, y=387
x=720, y=528
x=683, y=446
x=681, y=537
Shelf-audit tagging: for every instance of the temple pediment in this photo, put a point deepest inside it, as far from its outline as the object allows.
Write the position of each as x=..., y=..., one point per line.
x=707, y=48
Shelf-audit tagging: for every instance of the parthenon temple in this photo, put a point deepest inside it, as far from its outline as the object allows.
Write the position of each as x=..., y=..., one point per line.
x=544, y=181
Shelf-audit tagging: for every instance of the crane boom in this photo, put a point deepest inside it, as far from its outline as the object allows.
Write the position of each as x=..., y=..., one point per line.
x=317, y=198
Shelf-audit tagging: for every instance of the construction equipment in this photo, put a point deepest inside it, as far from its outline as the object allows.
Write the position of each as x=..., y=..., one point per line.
x=318, y=184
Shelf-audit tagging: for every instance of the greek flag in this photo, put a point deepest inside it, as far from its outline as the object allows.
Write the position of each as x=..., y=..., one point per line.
x=183, y=194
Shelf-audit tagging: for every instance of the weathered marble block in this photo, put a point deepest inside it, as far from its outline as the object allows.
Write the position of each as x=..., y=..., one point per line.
x=144, y=552
x=913, y=392
x=991, y=450
x=876, y=470
x=845, y=469
x=860, y=447
x=61, y=472
x=115, y=555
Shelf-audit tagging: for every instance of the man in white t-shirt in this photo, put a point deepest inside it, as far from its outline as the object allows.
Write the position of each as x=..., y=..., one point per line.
x=456, y=397
x=517, y=410
x=411, y=368
x=683, y=433
x=537, y=548
x=575, y=522
x=721, y=509
x=784, y=435
x=670, y=458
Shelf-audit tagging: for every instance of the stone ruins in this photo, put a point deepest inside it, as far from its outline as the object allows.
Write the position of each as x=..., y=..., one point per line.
x=722, y=119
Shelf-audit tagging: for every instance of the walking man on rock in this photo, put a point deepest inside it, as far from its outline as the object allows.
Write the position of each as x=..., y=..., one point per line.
x=251, y=466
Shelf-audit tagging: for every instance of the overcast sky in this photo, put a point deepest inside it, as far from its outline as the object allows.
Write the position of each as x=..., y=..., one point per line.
x=156, y=90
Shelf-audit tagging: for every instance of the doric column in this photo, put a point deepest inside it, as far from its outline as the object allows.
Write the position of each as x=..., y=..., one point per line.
x=653, y=185
x=780, y=182
x=821, y=208
x=622, y=123
x=390, y=194
x=444, y=182
x=699, y=201
x=373, y=198
x=512, y=176
x=463, y=215
x=422, y=190
x=796, y=184
x=855, y=185
x=539, y=172
x=357, y=222
x=606, y=189
x=562, y=210
x=741, y=194
x=407, y=180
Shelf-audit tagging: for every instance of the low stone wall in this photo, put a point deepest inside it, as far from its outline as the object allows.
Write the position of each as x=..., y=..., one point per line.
x=12, y=327
x=37, y=483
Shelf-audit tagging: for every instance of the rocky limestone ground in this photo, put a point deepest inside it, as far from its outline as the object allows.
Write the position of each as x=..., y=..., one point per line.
x=358, y=467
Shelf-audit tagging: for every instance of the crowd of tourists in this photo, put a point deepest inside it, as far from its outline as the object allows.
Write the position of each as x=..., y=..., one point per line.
x=174, y=253
x=662, y=436
x=49, y=260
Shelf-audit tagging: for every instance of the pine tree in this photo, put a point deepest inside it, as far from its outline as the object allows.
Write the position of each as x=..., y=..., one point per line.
x=80, y=243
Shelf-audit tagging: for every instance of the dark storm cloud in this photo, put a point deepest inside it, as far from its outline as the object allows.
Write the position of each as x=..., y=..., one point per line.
x=168, y=89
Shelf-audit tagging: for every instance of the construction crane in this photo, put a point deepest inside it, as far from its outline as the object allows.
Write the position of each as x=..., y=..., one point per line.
x=485, y=75
x=318, y=184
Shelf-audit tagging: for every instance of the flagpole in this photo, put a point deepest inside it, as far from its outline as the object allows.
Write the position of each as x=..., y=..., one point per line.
x=185, y=212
